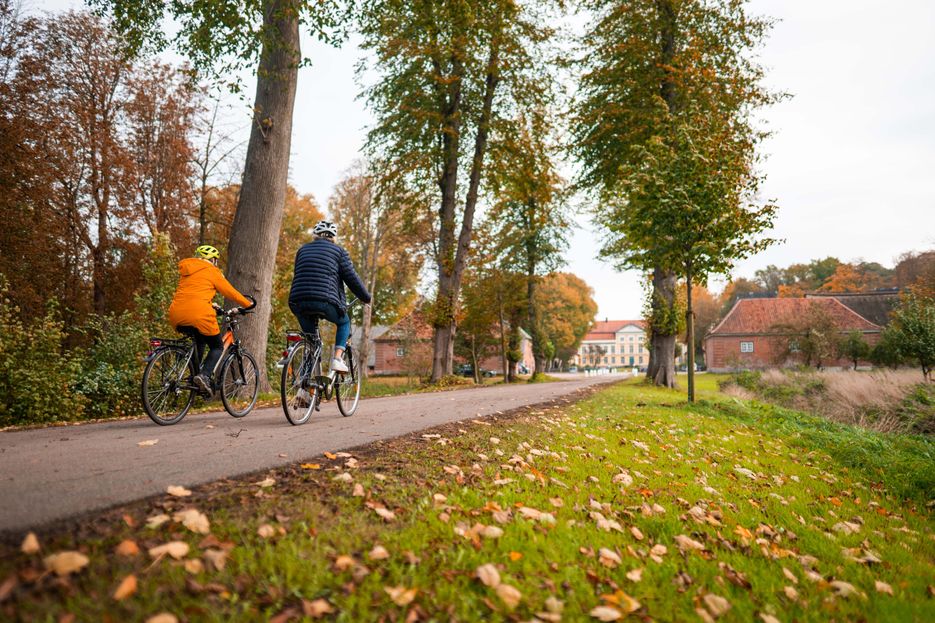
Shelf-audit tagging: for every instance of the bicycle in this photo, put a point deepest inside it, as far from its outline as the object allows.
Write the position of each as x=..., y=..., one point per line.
x=301, y=372
x=169, y=390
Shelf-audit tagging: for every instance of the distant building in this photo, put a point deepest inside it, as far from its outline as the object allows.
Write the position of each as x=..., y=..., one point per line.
x=875, y=305
x=614, y=344
x=755, y=333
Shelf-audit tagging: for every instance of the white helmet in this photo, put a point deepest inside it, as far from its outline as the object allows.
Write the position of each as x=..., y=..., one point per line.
x=325, y=228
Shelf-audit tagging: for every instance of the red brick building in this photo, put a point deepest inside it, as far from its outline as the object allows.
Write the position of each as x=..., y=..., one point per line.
x=759, y=332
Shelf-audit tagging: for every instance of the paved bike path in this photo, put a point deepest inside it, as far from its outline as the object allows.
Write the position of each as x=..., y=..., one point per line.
x=53, y=473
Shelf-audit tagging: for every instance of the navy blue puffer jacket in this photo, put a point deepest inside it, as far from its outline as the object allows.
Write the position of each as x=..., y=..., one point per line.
x=321, y=270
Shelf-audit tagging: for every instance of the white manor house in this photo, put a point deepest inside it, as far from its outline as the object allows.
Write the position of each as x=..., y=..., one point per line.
x=614, y=344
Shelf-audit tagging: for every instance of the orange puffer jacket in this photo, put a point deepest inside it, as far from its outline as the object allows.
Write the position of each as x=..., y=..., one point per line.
x=199, y=281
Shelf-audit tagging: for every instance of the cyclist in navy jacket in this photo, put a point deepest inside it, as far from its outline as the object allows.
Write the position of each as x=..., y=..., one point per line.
x=322, y=267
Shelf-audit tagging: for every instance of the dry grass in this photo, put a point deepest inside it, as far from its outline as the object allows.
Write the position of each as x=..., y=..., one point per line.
x=875, y=400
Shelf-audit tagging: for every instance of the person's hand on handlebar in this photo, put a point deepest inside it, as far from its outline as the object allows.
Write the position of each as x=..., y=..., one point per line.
x=217, y=308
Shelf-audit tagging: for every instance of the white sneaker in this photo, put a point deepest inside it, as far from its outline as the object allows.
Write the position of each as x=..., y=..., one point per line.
x=338, y=365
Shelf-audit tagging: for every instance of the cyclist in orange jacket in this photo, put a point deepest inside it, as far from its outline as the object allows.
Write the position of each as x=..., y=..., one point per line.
x=192, y=312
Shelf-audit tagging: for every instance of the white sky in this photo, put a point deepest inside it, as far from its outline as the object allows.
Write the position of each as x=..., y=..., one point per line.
x=851, y=163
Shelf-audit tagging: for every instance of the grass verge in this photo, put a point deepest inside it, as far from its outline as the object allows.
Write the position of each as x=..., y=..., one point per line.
x=627, y=502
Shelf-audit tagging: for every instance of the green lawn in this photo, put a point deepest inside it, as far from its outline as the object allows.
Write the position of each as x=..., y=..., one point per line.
x=628, y=500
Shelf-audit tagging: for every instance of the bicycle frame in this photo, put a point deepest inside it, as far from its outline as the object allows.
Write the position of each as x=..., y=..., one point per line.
x=229, y=338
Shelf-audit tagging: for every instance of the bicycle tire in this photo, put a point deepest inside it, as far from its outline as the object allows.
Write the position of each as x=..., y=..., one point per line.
x=347, y=386
x=288, y=386
x=239, y=364
x=151, y=404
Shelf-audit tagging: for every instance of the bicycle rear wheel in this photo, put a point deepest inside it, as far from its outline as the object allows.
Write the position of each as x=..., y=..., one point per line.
x=167, y=389
x=239, y=383
x=347, y=386
x=298, y=402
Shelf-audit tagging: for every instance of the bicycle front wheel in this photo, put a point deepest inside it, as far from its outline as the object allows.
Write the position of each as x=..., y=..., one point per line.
x=240, y=383
x=347, y=386
x=297, y=389
x=167, y=389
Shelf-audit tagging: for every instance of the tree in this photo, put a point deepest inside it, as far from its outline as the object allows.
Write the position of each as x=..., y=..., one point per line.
x=673, y=155
x=567, y=310
x=531, y=219
x=855, y=348
x=670, y=81
x=707, y=312
x=886, y=351
x=815, y=337
x=264, y=34
x=737, y=289
x=383, y=242
x=452, y=77
x=913, y=326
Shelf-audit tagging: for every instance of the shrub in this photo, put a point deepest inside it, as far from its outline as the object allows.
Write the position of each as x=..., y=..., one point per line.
x=37, y=375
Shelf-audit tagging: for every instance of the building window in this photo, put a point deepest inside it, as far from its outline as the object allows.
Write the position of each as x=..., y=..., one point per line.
x=746, y=347
x=613, y=360
x=611, y=349
x=605, y=359
x=400, y=352
x=641, y=360
x=793, y=346
x=631, y=348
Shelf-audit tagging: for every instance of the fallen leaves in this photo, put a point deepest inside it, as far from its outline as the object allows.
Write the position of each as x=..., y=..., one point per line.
x=401, y=595
x=605, y=613
x=30, y=544
x=147, y=443
x=716, y=605
x=163, y=617
x=127, y=548
x=509, y=595
x=844, y=589
x=385, y=513
x=488, y=575
x=882, y=587
x=126, y=588
x=317, y=608
x=177, y=491
x=608, y=557
x=65, y=563
x=686, y=543
x=194, y=520
x=266, y=531
x=378, y=553
x=266, y=483
x=174, y=549
x=156, y=520
x=310, y=466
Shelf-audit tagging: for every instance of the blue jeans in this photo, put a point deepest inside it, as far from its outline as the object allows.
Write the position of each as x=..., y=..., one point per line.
x=306, y=312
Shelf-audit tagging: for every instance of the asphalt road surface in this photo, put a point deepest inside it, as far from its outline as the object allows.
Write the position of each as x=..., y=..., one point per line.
x=50, y=474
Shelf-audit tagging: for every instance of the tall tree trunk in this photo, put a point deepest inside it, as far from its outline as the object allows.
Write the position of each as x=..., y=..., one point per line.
x=445, y=330
x=690, y=325
x=254, y=237
x=661, y=370
x=503, y=359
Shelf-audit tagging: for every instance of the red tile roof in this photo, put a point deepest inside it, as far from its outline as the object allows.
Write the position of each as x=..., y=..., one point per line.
x=605, y=330
x=760, y=315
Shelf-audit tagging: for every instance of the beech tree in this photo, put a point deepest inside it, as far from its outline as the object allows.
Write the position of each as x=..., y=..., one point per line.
x=530, y=218
x=452, y=77
x=223, y=37
x=670, y=81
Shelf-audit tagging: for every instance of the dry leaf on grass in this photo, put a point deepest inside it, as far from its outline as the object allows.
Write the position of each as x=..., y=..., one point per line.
x=401, y=595
x=716, y=605
x=177, y=491
x=317, y=608
x=790, y=592
x=30, y=544
x=509, y=595
x=163, y=617
x=488, y=575
x=883, y=587
x=344, y=562
x=636, y=533
x=194, y=520
x=385, y=513
x=608, y=557
x=768, y=618
x=147, y=443
x=175, y=549
x=127, y=548
x=378, y=553
x=66, y=563
x=686, y=543
x=266, y=482
x=194, y=566
x=635, y=575
x=492, y=532
x=310, y=466
x=126, y=588
x=605, y=613
x=156, y=520
x=358, y=490
x=216, y=558
x=343, y=477
x=266, y=531
x=844, y=589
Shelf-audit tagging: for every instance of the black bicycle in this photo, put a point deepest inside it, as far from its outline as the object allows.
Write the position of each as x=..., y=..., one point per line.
x=169, y=389
x=303, y=386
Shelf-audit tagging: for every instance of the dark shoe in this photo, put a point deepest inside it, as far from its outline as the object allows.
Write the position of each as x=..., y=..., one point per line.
x=203, y=383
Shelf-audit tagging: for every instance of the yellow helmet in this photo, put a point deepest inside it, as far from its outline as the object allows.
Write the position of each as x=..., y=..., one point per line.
x=206, y=251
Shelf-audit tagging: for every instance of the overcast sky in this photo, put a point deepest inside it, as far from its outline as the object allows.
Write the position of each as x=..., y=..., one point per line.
x=851, y=162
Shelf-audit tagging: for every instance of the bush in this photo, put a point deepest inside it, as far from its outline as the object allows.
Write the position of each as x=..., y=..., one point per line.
x=37, y=374
x=113, y=366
